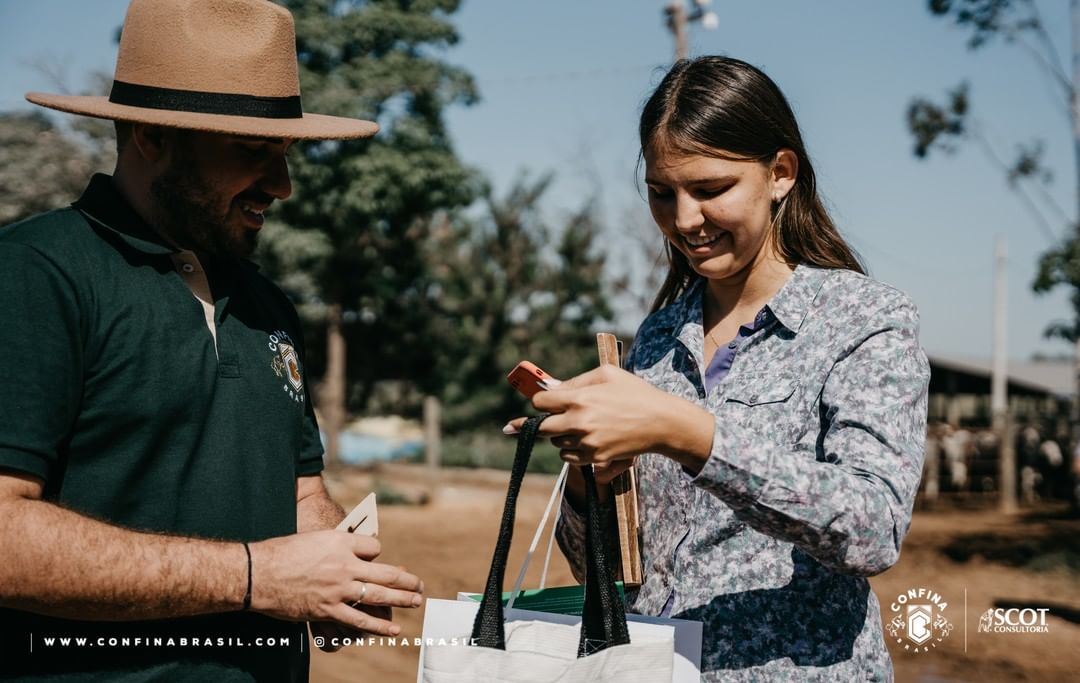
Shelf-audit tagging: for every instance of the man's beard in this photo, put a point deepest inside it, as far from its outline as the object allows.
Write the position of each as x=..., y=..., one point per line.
x=188, y=215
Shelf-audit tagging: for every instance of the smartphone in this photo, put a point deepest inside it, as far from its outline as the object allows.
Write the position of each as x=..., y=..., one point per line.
x=529, y=379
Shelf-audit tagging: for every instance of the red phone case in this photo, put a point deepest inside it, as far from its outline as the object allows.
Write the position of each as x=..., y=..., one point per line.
x=527, y=379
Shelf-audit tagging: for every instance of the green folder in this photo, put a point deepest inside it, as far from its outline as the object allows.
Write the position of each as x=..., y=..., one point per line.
x=562, y=600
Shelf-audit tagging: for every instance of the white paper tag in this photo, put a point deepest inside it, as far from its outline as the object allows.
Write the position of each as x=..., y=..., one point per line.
x=363, y=520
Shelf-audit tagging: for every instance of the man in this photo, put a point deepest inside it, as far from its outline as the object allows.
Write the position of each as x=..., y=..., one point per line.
x=160, y=484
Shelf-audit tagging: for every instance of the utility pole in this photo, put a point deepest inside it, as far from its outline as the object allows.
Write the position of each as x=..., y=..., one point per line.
x=1075, y=91
x=1075, y=111
x=999, y=400
x=333, y=389
x=432, y=432
x=678, y=21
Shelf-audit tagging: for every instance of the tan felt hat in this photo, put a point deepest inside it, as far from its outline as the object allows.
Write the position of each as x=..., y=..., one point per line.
x=224, y=66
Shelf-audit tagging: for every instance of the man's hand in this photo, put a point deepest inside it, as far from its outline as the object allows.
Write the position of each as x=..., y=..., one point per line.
x=133, y=575
x=318, y=576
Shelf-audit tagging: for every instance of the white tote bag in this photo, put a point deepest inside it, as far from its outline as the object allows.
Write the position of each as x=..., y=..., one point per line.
x=540, y=647
x=443, y=622
x=599, y=648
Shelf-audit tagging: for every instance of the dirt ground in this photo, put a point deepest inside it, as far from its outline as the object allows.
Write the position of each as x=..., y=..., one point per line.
x=981, y=557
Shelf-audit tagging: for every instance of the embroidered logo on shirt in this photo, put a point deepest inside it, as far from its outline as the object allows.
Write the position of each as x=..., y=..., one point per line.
x=286, y=364
x=919, y=619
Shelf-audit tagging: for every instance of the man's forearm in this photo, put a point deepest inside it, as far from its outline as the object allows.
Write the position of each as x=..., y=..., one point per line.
x=316, y=511
x=60, y=563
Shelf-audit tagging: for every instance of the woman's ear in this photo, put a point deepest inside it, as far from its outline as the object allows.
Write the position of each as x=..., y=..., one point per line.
x=783, y=172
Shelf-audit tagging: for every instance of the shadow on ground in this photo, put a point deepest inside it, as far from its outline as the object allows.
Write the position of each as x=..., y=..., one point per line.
x=1047, y=544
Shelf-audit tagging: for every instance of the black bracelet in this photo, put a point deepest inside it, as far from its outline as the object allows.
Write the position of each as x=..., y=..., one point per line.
x=247, y=595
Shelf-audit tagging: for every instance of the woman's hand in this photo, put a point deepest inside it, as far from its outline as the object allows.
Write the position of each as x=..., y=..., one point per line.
x=608, y=416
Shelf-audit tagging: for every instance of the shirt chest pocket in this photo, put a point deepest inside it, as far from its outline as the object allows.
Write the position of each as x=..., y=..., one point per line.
x=768, y=404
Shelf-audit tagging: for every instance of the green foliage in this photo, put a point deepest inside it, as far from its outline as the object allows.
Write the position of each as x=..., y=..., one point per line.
x=938, y=126
x=43, y=167
x=1029, y=164
x=297, y=257
x=488, y=447
x=387, y=494
x=499, y=295
x=435, y=300
x=944, y=126
x=361, y=209
x=1061, y=266
x=989, y=18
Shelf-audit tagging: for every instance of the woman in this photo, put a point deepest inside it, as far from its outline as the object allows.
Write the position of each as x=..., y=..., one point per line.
x=778, y=394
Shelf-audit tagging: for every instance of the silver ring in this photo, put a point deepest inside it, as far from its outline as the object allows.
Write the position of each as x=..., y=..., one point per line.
x=363, y=592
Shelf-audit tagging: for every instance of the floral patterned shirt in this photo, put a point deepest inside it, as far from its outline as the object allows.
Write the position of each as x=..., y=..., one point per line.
x=816, y=459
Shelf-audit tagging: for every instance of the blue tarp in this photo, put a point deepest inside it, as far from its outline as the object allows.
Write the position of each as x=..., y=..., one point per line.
x=363, y=449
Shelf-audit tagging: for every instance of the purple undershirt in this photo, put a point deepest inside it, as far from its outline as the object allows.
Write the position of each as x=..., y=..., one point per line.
x=718, y=368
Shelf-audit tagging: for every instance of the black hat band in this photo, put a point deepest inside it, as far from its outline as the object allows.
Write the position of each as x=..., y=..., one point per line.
x=227, y=104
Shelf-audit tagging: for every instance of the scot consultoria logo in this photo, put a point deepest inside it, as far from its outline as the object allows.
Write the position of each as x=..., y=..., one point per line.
x=1014, y=620
x=918, y=620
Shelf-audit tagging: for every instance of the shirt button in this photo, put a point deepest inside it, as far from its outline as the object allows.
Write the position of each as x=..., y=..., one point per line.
x=188, y=268
x=732, y=345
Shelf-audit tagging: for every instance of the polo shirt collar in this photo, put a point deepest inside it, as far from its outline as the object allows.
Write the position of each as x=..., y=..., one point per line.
x=103, y=204
x=789, y=305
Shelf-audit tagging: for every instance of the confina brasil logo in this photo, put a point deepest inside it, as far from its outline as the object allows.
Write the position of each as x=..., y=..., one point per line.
x=918, y=620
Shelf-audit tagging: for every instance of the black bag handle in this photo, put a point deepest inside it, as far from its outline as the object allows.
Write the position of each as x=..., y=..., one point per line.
x=603, y=618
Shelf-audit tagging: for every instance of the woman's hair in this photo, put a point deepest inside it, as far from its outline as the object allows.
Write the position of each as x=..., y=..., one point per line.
x=725, y=108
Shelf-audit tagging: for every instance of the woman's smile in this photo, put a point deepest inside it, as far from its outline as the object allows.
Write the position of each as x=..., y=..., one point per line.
x=703, y=245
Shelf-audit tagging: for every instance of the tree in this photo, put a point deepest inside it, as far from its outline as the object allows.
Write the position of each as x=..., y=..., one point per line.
x=361, y=211
x=499, y=294
x=44, y=166
x=41, y=168
x=944, y=126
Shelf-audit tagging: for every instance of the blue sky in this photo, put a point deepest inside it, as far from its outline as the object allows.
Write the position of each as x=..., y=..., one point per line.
x=562, y=82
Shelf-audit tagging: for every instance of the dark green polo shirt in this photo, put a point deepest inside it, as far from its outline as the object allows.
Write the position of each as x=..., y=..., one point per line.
x=114, y=394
